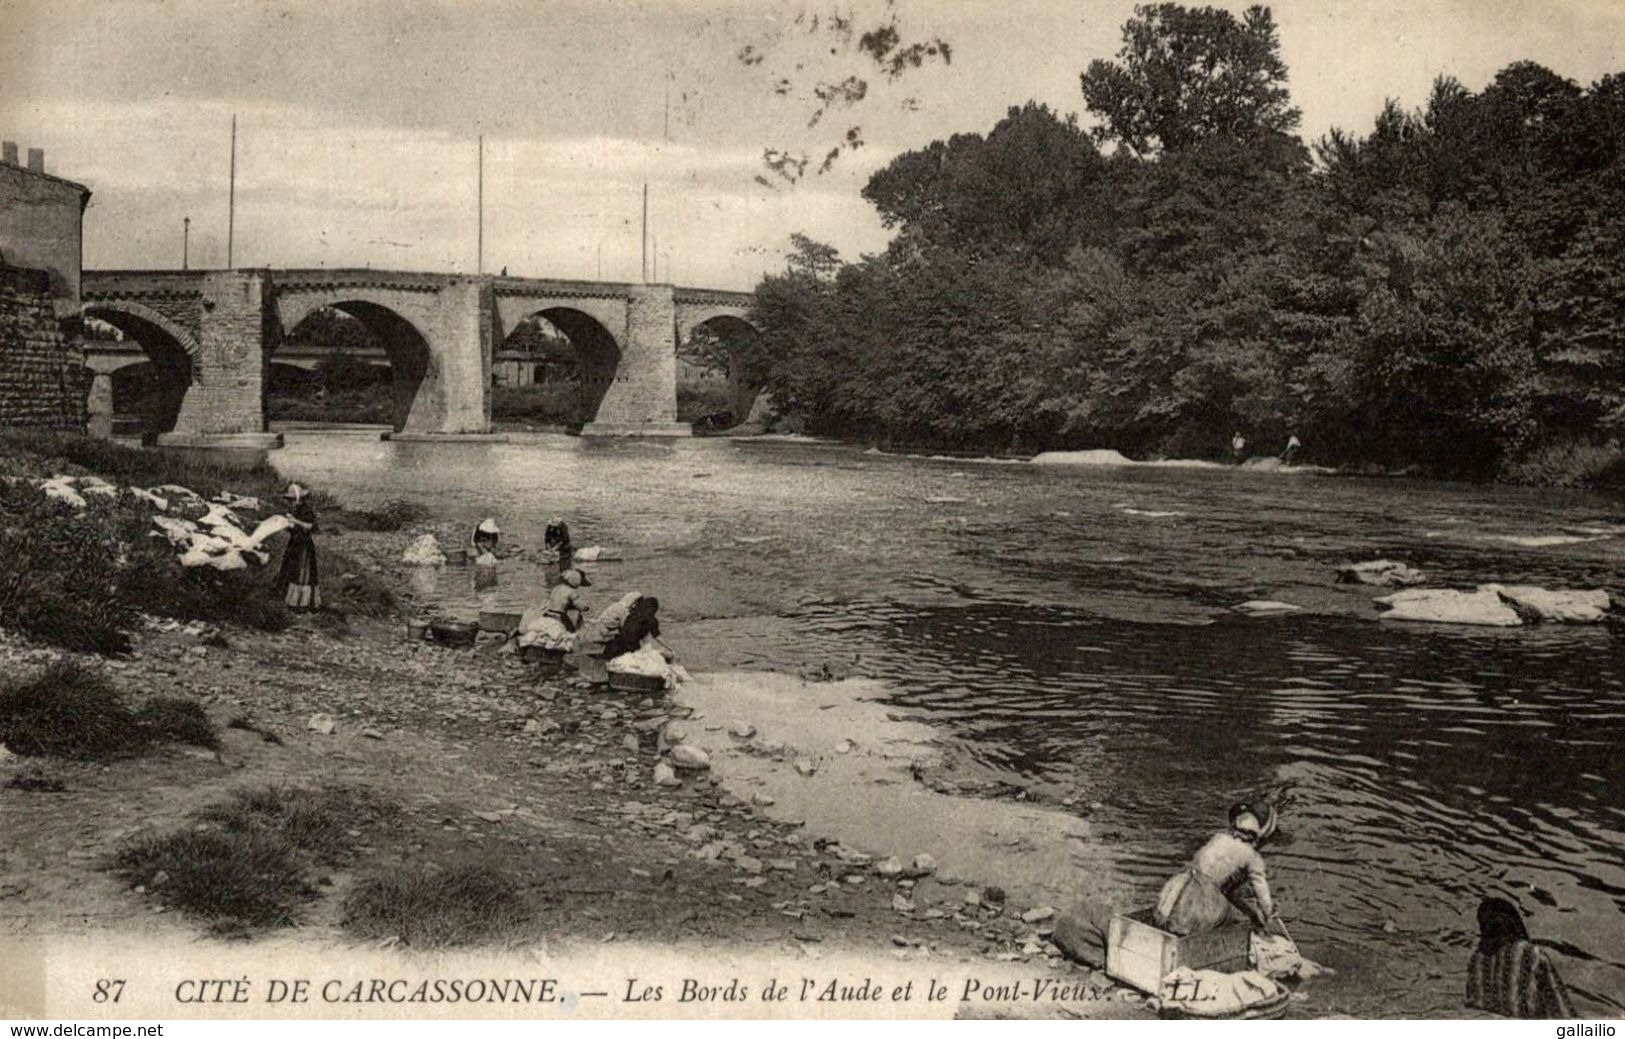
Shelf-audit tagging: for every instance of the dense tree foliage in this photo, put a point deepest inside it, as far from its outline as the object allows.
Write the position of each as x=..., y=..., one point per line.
x=1444, y=290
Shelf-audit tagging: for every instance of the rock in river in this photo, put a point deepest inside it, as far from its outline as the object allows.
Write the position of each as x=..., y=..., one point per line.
x=1482, y=607
x=1384, y=572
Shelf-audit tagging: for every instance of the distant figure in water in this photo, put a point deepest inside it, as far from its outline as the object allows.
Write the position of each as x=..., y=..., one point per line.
x=1195, y=900
x=1238, y=448
x=297, y=581
x=1508, y=974
x=1293, y=446
x=556, y=543
x=486, y=537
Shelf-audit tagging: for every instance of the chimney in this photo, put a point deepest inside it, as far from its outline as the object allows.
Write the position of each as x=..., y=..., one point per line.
x=8, y=151
x=36, y=159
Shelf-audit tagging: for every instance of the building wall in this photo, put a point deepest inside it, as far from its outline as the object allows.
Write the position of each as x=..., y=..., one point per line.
x=41, y=224
x=42, y=371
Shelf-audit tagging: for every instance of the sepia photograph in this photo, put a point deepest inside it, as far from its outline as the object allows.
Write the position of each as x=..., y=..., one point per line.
x=699, y=510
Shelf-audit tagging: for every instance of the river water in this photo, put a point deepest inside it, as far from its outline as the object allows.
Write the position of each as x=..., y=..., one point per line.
x=1069, y=631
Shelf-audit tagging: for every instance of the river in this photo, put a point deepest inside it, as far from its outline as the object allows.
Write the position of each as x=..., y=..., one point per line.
x=1069, y=631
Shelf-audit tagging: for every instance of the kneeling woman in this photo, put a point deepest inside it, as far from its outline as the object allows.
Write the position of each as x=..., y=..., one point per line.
x=297, y=581
x=1196, y=900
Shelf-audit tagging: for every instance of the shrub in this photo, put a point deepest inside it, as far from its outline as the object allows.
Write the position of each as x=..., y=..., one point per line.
x=389, y=517
x=1572, y=463
x=425, y=908
x=542, y=403
x=67, y=711
x=58, y=573
x=176, y=720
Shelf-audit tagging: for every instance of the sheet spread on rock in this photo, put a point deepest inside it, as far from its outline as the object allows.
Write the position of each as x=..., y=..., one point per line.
x=212, y=538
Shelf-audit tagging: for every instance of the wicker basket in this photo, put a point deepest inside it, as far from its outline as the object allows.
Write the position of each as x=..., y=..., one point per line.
x=623, y=682
x=417, y=631
x=545, y=661
x=457, y=634
x=456, y=556
x=500, y=621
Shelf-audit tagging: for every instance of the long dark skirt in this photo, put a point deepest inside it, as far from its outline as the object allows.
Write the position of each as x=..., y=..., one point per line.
x=298, y=581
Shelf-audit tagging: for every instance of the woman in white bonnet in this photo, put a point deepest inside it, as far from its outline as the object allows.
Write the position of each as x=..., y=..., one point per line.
x=298, y=582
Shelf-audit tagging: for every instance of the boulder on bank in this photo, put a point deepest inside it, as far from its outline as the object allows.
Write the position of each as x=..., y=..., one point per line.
x=1384, y=573
x=1482, y=606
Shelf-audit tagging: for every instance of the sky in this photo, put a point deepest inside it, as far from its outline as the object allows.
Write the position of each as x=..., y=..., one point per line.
x=358, y=120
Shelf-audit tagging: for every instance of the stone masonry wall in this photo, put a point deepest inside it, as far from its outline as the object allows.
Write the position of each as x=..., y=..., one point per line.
x=42, y=372
x=227, y=375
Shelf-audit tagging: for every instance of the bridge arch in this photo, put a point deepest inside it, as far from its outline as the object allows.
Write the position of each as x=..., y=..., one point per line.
x=152, y=383
x=405, y=345
x=129, y=316
x=730, y=335
x=598, y=351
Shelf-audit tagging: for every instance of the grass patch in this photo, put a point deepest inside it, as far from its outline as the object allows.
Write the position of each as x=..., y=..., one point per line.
x=425, y=908
x=68, y=712
x=249, y=866
x=314, y=821
x=237, y=881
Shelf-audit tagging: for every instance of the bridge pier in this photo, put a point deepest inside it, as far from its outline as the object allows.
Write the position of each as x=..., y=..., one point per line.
x=99, y=406
x=642, y=401
x=224, y=406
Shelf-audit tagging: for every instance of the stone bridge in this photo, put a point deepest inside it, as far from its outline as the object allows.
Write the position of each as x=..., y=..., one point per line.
x=440, y=334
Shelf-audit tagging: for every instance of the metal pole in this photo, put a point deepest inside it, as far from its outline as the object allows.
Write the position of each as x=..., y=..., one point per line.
x=231, y=198
x=654, y=259
x=479, y=261
x=186, y=242
x=645, y=268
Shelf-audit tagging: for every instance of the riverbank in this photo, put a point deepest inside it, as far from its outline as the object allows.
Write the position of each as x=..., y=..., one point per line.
x=434, y=765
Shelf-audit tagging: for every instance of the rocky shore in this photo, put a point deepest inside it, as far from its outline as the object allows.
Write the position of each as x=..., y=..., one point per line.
x=552, y=782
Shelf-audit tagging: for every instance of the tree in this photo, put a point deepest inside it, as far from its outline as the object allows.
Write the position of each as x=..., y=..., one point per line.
x=1031, y=185
x=1188, y=74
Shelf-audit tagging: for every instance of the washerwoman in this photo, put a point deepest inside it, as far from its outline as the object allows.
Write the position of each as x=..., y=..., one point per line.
x=298, y=581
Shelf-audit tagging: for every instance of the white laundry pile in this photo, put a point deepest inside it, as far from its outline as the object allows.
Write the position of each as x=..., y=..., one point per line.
x=425, y=551
x=648, y=662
